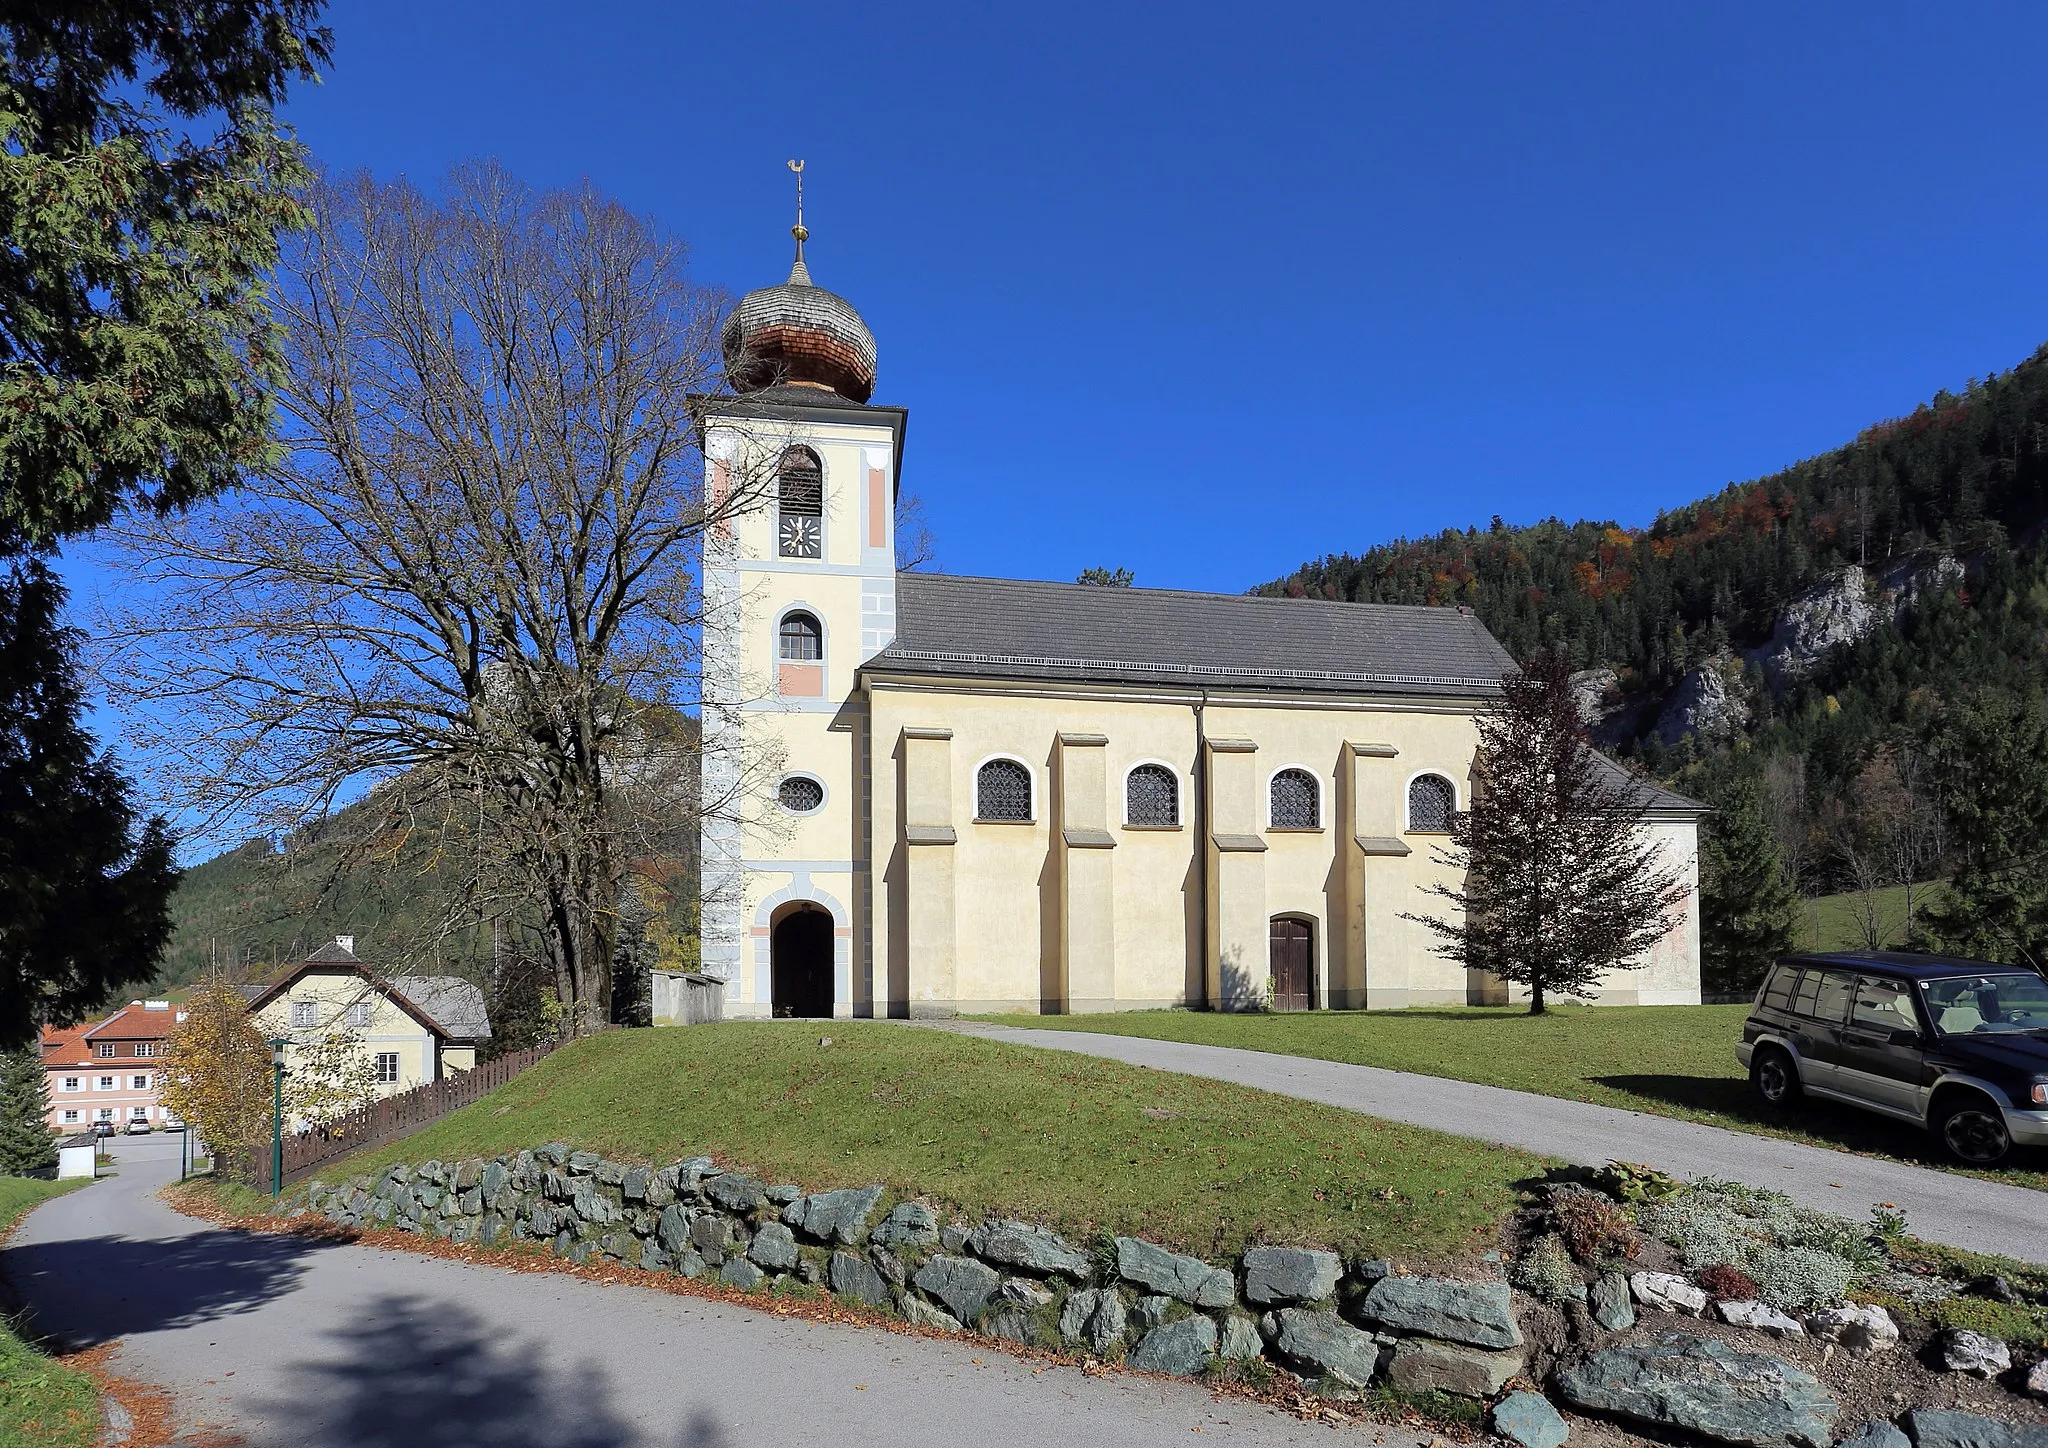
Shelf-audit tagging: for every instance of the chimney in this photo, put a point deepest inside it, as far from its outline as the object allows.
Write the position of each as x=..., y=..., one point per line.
x=346, y=942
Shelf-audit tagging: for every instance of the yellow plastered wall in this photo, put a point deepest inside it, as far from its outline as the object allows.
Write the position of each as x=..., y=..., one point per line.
x=391, y=1030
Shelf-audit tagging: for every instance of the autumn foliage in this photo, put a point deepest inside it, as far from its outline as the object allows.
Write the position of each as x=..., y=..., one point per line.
x=217, y=1075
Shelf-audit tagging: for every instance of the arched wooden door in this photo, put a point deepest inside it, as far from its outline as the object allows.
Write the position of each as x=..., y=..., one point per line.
x=801, y=963
x=1293, y=956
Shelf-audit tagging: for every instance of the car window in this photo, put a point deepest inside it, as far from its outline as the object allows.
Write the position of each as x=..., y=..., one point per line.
x=1809, y=987
x=1884, y=1005
x=1778, y=993
x=1831, y=1000
x=2000, y=1001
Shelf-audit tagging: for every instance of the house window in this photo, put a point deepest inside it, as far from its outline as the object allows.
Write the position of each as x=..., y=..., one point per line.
x=71, y=1116
x=387, y=1068
x=138, y=1113
x=148, y=1048
x=359, y=1014
x=800, y=500
x=106, y=1083
x=1002, y=792
x=800, y=794
x=1295, y=800
x=106, y=1050
x=1432, y=800
x=106, y=1113
x=72, y=1083
x=305, y=1013
x=801, y=639
x=139, y=1083
x=1151, y=796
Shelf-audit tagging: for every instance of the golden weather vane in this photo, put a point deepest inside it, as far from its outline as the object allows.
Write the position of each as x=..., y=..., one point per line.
x=798, y=230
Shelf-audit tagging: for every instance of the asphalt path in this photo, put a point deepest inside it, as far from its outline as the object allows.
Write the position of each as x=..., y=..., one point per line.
x=277, y=1341
x=1959, y=1211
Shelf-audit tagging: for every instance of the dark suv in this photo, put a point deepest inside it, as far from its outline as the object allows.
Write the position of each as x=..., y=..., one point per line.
x=1957, y=1046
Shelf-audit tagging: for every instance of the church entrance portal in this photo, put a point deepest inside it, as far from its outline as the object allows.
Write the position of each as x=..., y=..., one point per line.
x=1293, y=956
x=801, y=963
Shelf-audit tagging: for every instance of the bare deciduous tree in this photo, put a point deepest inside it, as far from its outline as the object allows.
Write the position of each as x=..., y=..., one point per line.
x=468, y=578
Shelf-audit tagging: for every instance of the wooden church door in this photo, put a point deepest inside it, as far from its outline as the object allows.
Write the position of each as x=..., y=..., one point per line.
x=1293, y=957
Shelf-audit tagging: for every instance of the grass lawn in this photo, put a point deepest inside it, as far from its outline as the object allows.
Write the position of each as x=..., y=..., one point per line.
x=1668, y=1060
x=42, y=1402
x=986, y=1128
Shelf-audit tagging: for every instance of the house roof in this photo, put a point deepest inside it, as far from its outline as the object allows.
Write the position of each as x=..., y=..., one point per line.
x=66, y=1046
x=1646, y=792
x=136, y=1022
x=448, y=1005
x=1010, y=628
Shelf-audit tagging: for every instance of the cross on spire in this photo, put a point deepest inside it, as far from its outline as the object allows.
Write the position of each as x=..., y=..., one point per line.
x=799, y=274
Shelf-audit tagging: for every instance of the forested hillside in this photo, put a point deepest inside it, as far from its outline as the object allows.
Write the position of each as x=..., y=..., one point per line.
x=1856, y=646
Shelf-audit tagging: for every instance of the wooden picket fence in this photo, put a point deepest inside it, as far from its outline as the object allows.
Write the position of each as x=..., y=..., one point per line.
x=391, y=1118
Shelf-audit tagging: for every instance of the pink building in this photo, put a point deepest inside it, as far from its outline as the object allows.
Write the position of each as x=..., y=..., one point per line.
x=109, y=1070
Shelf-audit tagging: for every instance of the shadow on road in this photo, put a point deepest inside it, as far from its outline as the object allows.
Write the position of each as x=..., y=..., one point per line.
x=90, y=1290
x=410, y=1372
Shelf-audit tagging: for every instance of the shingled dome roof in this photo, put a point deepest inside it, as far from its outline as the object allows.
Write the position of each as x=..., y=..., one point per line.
x=799, y=333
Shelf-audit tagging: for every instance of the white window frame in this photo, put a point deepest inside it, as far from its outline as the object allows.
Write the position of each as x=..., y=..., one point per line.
x=71, y=1115
x=1030, y=778
x=72, y=1083
x=302, y=1015
x=106, y=1083
x=382, y=1057
x=1322, y=799
x=358, y=1015
x=106, y=1114
x=1407, y=787
x=1180, y=795
x=138, y=1083
x=105, y=1050
x=824, y=794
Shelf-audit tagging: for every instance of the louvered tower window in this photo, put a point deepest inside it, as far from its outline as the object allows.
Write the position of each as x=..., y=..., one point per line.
x=800, y=504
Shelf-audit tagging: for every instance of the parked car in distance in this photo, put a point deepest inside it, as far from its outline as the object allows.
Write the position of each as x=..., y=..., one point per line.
x=103, y=1128
x=1958, y=1047
x=138, y=1127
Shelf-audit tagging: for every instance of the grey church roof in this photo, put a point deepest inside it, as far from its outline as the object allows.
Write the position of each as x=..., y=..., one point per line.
x=1009, y=628
x=1651, y=795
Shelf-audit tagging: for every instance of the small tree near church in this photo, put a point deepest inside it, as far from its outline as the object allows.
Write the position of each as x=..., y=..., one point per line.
x=25, y=1142
x=1562, y=882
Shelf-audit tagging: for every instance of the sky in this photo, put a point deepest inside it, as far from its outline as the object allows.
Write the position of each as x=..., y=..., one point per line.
x=1209, y=292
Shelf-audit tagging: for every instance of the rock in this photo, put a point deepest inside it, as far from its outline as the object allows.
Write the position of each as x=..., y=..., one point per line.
x=1760, y=1316
x=1324, y=1345
x=1946, y=1428
x=1094, y=1313
x=691, y=1174
x=1835, y=611
x=492, y=1230
x=1011, y=1323
x=1613, y=1307
x=611, y=1173
x=739, y=1272
x=917, y=1310
x=711, y=1233
x=2037, y=1379
x=1705, y=703
x=1275, y=1276
x=1024, y=1291
x=953, y=1237
x=1704, y=1386
x=582, y=1163
x=671, y=1228
x=782, y=1196
x=593, y=1205
x=1668, y=1292
x=689, y=1263
x=1479, y=1313
x=1878, y=1434
x=1419, y=1364
x=851, y=1275
x=1373, y=1269
x=888, y=1264
x=661, y=1189
x=1182, y=1348
x=840, y=1216
x=1996, y=1288
x=1239, y=1341
x=735, y=1193
x=634, y=1183
x=1963, y=1351
x=554, y=1153
x=1190, y=1279
x=961, y=1283
x=1528, y=1419
x=1151, y=1311
x=773, y=1247
x=494, y=1178
x=1076, y=1310
x=652, y=1258
x=909, y=1225
x=1857, y=1328
x=1032, y=1248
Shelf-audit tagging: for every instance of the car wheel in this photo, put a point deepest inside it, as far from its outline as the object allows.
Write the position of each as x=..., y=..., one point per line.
x=1775, y=1076
x=1972, y=1128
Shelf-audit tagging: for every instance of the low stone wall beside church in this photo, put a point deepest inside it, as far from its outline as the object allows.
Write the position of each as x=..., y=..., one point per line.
x=1273, y=1309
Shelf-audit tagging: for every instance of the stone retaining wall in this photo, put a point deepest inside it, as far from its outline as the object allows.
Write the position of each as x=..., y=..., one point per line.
x=1337, y=1326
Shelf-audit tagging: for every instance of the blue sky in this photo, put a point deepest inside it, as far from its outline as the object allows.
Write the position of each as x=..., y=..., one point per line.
x=1206, y=291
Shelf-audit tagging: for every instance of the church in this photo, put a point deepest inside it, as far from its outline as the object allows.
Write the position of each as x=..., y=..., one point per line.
x=935, y=794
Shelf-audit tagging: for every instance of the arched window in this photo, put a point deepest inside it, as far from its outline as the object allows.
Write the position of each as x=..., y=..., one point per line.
x=1295, y=800
x=1002, y=791
x=800, y=794
x=1151, y=796
x=800, y=502
x=802, y=640
x=1432, y=800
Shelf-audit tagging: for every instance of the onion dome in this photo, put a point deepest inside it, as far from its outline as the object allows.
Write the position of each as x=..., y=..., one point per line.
x=799, y=334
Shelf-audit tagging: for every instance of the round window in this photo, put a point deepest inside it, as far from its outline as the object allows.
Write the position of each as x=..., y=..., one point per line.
x=800, y=794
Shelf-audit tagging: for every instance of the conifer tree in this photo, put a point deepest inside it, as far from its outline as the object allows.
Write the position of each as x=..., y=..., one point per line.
x=1990, y=770
x=1562, y=883
x=1748, y=913
x=26, y=1145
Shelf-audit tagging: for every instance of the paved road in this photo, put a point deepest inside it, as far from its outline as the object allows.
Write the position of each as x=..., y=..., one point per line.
x=284, y=1343
x=1940, y=1207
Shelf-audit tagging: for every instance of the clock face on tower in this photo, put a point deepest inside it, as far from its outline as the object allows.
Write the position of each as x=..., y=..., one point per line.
x=799, y=537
